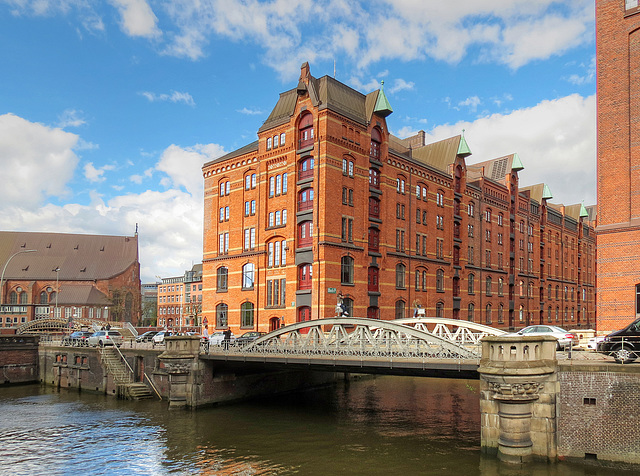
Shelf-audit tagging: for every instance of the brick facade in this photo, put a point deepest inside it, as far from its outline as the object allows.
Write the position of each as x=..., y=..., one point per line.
x=388, y=224
x=618, y=73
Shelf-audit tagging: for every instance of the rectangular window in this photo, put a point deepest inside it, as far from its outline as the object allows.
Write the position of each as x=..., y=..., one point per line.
x=253, y=180
x=271, y=215
x=270, y=255
x=247, y=182
x=350, y=197
x=272, y=186
x=226, y=213
x=276, y=260
x=247, y=235
x=344, y=195
x=278, y=184
x=247, y=208
x=253, y=238
x=284, y=216
x=278, y=218
x=284, y=182
x=253, y=207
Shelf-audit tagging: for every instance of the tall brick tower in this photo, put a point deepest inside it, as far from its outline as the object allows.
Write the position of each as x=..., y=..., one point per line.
x=618, y=244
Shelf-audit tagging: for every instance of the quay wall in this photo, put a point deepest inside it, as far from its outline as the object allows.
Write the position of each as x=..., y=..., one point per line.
x=18, y=359
x=597, y=411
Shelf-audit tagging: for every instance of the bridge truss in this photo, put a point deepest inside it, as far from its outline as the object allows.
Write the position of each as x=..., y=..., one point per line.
x=370, y=338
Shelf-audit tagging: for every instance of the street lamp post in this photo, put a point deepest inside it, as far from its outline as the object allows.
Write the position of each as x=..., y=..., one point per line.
x=57, y=271
x=5, y=268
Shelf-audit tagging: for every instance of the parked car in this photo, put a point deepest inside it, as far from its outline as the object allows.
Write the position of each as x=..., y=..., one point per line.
x=623, y=345
x=217, y=337
x=248, y=337
x=77, y=338
x=146, y=337
x=102, y=338
x=565, y=338
x=593, y=342
x=159, y=337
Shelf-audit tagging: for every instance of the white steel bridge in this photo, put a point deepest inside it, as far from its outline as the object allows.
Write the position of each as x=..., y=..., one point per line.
x=409, y=346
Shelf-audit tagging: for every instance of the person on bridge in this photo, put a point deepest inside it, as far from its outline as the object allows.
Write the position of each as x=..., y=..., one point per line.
x=226, y=339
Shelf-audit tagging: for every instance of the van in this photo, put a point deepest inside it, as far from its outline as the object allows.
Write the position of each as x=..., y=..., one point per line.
x=623, y=345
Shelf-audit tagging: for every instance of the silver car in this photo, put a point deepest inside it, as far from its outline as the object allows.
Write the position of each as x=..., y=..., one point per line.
x=102, y=338
x=565, y=338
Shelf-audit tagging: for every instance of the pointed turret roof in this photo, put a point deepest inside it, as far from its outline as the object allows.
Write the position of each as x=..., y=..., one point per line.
x=382, y=108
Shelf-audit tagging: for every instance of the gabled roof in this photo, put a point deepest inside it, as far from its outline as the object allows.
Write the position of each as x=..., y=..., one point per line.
x=81, y=294
x=497, y=169
x=538, y=192
x=78, y=257
x=253, y=147
x=439, y=154
x=328, y=93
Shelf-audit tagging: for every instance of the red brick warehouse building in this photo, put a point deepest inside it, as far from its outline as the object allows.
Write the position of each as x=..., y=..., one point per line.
x=618, y=76
x=328, y=202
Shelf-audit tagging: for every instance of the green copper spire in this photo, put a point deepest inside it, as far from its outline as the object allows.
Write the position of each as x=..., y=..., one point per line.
x=516, y=163
x=583, y=211
x=546, y=193
x=463, y=148
x=383, y=108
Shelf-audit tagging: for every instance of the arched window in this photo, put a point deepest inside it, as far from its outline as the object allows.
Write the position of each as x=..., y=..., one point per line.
x=549, y=314
x=222, y=277
x=247, y=276
x=521, y=288
x=424, y=280
x=500, y=314
x=305, y=168
x=374, y=178
x=521, y=313
x=439, y=309
x=246, y=314
x=471, y=284
x=13, y=297
x=488, y=286
x=400, y=309
x=305, y=199
x=400, y=276
x=222, y=316
x=487, y=315
x=346, y=270
x=530, y=289
x=43, y=297
x=305, y=131
x=374, y=239
x=305, y=230
x=305, y=273
x=304, y=314
x=376, y=140
x=470, y=312
x=372, y=279
x=440, y=280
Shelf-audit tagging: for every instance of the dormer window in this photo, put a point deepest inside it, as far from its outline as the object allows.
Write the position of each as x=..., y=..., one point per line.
x=305, y=131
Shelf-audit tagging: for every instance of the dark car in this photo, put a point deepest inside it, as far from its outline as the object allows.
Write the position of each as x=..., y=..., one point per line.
x=146, y=337
x=78, y=338
x=248, y=337
x=623, y=345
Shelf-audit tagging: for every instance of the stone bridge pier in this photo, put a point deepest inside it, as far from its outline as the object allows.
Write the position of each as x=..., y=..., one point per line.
x=518, y=393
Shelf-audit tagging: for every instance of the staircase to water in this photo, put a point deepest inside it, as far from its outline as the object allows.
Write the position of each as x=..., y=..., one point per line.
x=123, y=375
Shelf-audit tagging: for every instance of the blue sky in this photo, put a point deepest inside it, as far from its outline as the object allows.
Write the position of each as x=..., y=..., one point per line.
x=108, y=109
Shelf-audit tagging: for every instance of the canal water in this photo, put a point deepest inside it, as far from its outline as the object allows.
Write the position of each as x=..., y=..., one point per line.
x=372, y=426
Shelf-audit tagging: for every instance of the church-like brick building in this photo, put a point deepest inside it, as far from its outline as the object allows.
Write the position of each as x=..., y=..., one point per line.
x=328, y=207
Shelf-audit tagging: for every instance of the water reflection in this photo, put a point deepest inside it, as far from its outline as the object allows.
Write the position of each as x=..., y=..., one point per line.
x=388, y=425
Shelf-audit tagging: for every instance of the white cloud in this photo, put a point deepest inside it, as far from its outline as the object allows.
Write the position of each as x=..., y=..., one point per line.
x=401, y=85
x=174, y=97
x=137, y=18
x=41, y=160
x=554, y=139
x=250, y=112
x=93, y=174
x=471, y=102
x=70, y=118
x=170, y=221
